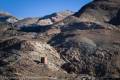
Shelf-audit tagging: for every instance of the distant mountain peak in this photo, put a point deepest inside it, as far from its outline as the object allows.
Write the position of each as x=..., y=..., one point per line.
x=58, y=16
x=4, y=13
x=46, y=20
x=7, y=17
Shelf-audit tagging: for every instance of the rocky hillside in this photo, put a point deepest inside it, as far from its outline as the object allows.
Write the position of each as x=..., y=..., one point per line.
x=84, y=44
x=46, y=20
x=101, y=11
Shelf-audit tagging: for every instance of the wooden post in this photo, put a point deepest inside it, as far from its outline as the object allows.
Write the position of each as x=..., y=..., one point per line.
x=44, y=60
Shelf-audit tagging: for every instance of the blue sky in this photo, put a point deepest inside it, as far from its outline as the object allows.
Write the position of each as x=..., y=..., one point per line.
x=36, y=8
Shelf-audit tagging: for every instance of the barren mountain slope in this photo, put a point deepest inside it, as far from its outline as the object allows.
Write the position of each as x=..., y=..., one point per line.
x=86, y=44
x=101, y=11
x=89, y=40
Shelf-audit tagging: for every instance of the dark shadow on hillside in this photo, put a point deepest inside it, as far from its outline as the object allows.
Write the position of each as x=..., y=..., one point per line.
x=34, y=28
x=3, y=19
x=116, y=20
x=81, y=26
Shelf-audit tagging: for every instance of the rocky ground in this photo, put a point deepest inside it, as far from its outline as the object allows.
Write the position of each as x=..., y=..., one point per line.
x=85, y=44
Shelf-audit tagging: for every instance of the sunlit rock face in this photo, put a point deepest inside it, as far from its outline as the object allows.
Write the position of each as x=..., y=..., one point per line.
x=20, y=52
x=56, y=17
